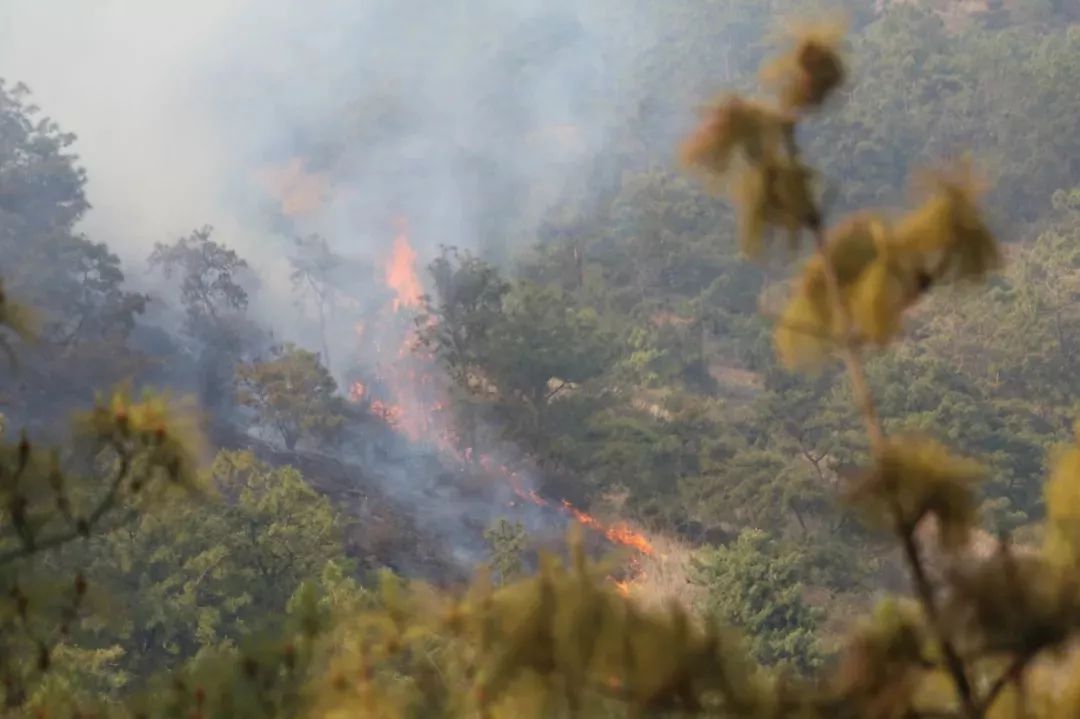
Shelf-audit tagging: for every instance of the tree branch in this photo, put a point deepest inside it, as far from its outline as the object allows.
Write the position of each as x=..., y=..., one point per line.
x=849, y=349
x=864, y=401
x=925, y=591
x=1012, y=673
x=563, y=384
x=82, y=527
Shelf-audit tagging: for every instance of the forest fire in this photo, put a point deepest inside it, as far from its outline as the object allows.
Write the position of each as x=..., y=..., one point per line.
x=401, y=274
x=409, y=397
x=405, y=394
x=619, y=533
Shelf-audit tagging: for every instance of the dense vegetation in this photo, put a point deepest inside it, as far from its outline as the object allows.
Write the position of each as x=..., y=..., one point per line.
x=163, y=560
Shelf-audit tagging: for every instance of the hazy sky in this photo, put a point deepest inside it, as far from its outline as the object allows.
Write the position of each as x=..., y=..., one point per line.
x=176, y=104
x=121, y=75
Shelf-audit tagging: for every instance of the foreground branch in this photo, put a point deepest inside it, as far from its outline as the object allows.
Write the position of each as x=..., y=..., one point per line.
x=82, y=527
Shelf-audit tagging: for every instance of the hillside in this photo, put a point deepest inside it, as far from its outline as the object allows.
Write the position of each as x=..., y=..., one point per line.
x=485, y=359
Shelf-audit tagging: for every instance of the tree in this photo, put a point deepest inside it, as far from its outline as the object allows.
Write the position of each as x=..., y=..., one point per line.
x=755, y=584
x=293, y=393
x=76, y=286
x=210, y=288
x=313, y=267
x=987, y=623
x=97, y=307
x=914, y=65
x=202, y=575
x=543, y=346
x=865, y=274
x=514, y=347
x=214, y=302
x=463, y=313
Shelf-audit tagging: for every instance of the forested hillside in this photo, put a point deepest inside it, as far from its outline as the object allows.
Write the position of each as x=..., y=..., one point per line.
x=775, y=313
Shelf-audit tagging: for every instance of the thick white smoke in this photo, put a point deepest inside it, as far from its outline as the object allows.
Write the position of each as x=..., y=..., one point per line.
x=273, y=118
x=124, y=76
x=469, y=116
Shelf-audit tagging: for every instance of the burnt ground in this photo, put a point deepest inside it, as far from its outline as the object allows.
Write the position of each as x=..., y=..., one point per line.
x=406, y=507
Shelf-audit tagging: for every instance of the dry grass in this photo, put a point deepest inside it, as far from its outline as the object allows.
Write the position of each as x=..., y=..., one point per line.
x=663, y=577
x=737, y=379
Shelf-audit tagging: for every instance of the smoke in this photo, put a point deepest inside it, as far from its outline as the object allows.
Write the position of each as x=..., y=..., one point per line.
x=469, y=117
x=270, y=119
x=123, y=77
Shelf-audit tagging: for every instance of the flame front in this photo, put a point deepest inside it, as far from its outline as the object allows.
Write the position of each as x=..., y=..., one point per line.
x=619, y=533
x=412, y=397
x=401, y=274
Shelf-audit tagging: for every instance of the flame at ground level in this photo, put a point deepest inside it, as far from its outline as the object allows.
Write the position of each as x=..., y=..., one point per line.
x=412, y=403
x=619, y=533
x=401, y=274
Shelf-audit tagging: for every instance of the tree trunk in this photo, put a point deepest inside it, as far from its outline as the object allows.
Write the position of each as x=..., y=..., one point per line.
x=290, y=440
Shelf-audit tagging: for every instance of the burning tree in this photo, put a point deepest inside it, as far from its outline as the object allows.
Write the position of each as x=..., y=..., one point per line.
x=294, y=394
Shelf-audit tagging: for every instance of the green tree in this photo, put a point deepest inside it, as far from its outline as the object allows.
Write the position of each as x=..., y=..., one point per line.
x=916, y=65
x=195, y=576
x=464, y=311
x=542, y=347
x=76, y=286
x=755, y=584
x=314, y=267
x=515, y=349
x=981, y=638
x=292, y=393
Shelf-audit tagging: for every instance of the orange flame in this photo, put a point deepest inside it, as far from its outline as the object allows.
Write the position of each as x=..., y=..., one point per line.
x=619, y=533
x=356, y=391
x=389, y=413
x=298, y=191
x=410, y=385
x=401, y=274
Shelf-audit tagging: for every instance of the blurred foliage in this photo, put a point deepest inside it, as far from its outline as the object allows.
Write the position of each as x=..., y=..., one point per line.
x=125, y=457
x=507, y=543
